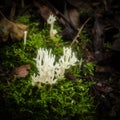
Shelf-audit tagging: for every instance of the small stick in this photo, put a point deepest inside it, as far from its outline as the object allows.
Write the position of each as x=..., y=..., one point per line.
x=2, y=15
x=79, y=31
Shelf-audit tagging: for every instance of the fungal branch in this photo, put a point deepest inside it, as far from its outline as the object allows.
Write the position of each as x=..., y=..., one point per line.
x=25, y=38
x=51, y=20
x=49, y=71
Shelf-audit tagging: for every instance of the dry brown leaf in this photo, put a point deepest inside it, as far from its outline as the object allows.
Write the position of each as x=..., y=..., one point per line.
x=21, y=71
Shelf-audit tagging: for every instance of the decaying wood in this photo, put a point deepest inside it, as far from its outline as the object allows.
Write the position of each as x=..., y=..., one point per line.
x=45, y=8
x=68, y=18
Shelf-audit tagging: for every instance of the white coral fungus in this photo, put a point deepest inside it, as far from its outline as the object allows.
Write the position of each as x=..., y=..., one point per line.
x=25, y=37
x=50, y=71
x=51, y=20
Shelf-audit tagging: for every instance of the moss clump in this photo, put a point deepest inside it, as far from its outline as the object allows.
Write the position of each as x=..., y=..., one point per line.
x=65, y=100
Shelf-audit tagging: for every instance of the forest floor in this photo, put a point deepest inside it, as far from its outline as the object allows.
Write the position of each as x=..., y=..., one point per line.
x=107, y=87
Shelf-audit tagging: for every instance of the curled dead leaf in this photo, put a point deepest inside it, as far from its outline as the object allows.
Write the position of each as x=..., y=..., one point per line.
x=14, y=30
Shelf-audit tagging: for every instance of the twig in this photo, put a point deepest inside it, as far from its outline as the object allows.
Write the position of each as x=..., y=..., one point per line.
x=79, y=31
x=12, y=11
x=2, y=15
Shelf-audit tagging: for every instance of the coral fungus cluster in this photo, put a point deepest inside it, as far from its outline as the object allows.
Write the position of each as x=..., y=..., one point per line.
x=49, y=71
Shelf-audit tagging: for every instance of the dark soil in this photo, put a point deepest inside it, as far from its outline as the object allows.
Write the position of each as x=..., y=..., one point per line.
x=107, y=88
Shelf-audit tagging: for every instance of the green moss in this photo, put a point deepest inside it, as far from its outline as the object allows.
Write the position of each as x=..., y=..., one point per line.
x=65, y=100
